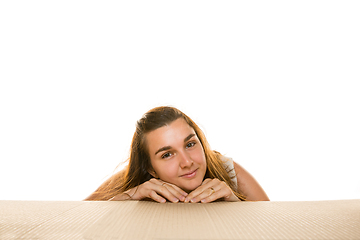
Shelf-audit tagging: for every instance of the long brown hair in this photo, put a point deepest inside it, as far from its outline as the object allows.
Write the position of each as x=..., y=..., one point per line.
x=137, y=171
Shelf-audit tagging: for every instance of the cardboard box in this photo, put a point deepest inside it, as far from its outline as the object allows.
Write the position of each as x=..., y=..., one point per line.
x=150, y=220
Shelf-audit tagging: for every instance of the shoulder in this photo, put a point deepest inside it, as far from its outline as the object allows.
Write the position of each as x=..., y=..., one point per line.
x=248, y=185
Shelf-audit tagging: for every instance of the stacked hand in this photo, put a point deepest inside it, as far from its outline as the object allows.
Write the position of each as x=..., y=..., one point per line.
x=160, y=191
x=211, y=190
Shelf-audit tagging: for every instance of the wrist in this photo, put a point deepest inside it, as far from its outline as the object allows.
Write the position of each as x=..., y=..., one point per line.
x=126, y=196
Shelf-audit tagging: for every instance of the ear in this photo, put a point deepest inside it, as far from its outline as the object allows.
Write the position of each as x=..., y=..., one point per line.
x=152, y=172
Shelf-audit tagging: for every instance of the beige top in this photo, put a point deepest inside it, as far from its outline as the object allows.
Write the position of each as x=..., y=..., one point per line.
x=229, y=167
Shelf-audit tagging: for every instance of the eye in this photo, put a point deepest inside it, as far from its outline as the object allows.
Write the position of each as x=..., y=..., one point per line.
x=190, y=144
x=166, y=155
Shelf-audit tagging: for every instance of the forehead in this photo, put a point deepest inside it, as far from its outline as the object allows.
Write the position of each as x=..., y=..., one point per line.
x=169, y=135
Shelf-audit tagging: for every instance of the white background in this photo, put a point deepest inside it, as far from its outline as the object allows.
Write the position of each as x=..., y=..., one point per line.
x=273, y=84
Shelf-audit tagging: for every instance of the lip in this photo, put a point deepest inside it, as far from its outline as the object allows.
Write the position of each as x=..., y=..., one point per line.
x=190, y=174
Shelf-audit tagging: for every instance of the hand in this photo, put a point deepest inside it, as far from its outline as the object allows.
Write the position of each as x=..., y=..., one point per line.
x=155, y=189
x=211, y=190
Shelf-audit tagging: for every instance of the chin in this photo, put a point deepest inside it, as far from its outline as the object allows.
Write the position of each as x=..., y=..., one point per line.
x=190, y=187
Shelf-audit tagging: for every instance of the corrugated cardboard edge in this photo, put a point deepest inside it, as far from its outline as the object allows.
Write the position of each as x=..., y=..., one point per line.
x=150, y=220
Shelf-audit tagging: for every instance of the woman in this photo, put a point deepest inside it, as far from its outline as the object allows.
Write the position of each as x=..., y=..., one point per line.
x=170, y=160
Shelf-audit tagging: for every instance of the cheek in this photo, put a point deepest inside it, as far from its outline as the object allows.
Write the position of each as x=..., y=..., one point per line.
x=167, y=170
x=199, y=156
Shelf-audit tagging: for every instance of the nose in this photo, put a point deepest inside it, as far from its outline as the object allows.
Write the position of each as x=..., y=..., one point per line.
x=185, y=160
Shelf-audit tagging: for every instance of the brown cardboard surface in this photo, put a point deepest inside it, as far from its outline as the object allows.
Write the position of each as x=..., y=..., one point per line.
x=150, y=220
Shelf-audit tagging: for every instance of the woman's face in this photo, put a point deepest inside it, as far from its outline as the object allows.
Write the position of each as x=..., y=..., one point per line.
x=177, y=155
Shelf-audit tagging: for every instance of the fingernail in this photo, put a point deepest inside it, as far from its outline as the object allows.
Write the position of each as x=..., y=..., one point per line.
x=175, y=200
x=186, y=200
x=182, y=198
x=193, y=200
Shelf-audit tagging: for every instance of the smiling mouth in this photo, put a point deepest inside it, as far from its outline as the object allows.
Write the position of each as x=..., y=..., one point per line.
x=190, y=174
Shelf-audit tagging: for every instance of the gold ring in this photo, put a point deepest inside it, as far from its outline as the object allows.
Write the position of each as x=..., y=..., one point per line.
x=212, y=191
x=163, y=184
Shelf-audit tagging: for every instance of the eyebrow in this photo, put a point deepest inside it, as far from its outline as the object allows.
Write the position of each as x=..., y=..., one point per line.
x=169, y=147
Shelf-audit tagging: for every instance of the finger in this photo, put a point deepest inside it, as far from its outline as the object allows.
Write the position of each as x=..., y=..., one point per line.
x=153, y=195
x=216, y=195
x=207, y=184
x=206, y=181
x=165, y=192
x=170, y=186
x=223, y=192
x=160, y=188
x=156, y=186
x=205, y=194
x=147, y=190
x=176, y=191
x=182, y=192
